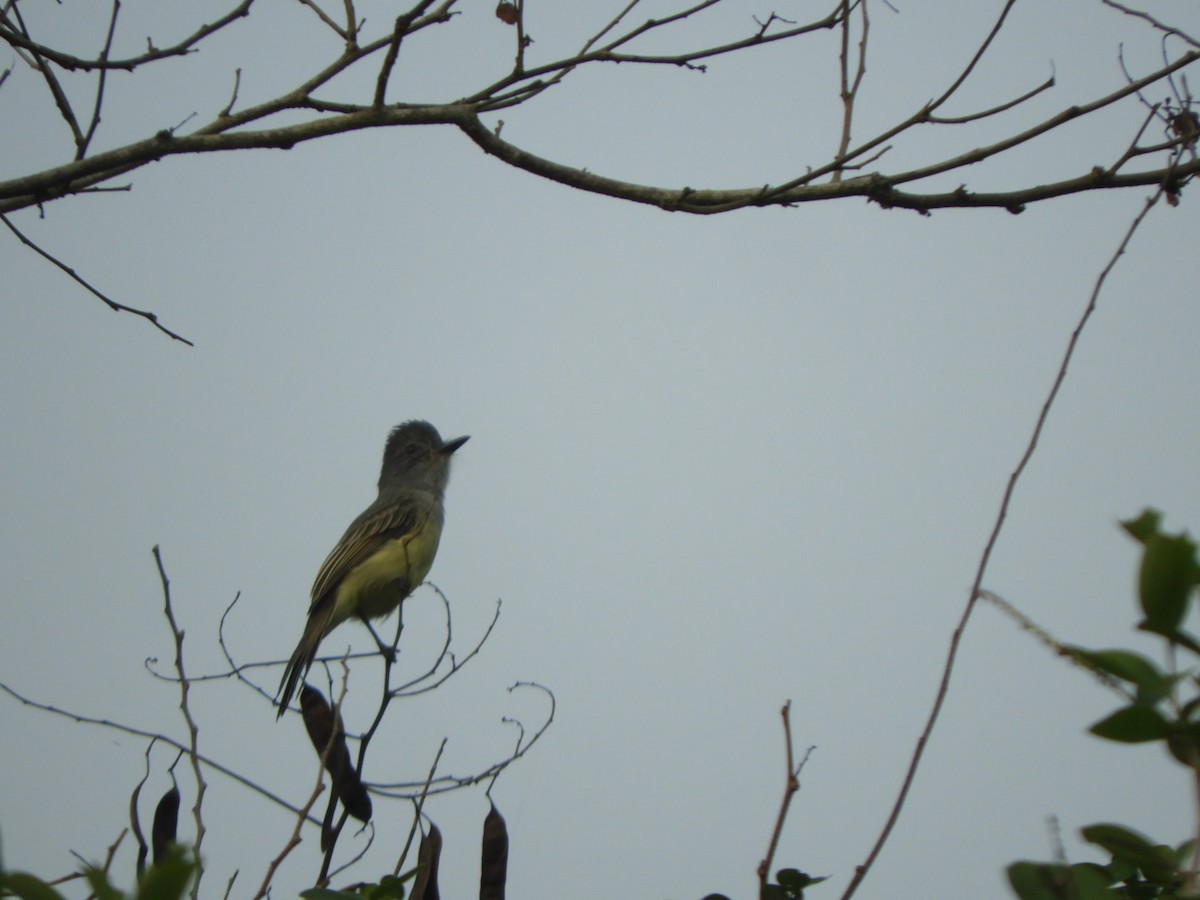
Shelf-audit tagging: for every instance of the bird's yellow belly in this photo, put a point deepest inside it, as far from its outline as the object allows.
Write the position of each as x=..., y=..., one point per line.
x=376, y=586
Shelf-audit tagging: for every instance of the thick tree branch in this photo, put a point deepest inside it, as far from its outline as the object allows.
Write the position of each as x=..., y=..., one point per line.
x=230, y=130
x=877, y=188
x=272, y=123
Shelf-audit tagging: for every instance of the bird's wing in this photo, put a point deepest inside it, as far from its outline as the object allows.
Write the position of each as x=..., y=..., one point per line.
x=364, y=536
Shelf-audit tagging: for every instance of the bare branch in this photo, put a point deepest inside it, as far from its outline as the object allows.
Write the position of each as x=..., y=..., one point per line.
x=237, y=83
x=860, y=871
x=790, y=789
x=112, y=304
x=850, y=87
x=843, y=176
x=22, y=41
x=40, y=64
x=141, y=732
x=193, y=730
x=403, y=24
x=519, y=86
x=877, y=188
x=979, y=54
x=418, y=807
x=1146, y=17
x=995, y=110
x=445, y=783
x=324, y=17
x=101, y=77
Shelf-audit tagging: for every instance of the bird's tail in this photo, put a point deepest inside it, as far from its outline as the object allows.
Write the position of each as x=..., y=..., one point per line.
x=303, y=656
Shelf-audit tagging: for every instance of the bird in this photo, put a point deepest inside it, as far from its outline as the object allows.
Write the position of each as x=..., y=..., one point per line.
x=387, y=551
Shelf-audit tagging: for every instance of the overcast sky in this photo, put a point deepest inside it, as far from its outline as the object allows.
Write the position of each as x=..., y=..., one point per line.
x=715, y=463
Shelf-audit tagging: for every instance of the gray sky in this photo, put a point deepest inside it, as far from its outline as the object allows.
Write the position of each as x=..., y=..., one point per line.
x=715, y=463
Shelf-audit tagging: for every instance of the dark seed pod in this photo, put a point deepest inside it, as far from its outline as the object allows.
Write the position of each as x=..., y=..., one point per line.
x=323, y=728
x=425, y=887
x=493, y=870
x=507, y=12
x=166, y=818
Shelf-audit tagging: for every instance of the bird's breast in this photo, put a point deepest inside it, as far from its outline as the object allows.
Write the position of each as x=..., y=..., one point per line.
x=377, y=585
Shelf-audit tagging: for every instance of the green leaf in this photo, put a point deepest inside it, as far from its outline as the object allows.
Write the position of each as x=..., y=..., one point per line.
x=1144, y=526
x=167, y=879
x=1142, y=890
x=1038, y=881
x=101, y=887
x=27, y=887
x=1054, y=881
x=1090, y=882
x=1167, y=576
x=329, y=894
x=1155, y=861
x=792, y=879
x=1152, y=685
x=1184, y=744
x=1122, y=870
x=1184, y=852
x=1133, y=725
x=1188, y=711
x=390, y=886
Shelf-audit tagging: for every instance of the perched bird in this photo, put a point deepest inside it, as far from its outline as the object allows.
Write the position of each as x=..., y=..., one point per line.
x=387, y=551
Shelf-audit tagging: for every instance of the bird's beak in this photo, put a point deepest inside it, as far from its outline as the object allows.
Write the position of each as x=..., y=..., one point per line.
x=450, y=446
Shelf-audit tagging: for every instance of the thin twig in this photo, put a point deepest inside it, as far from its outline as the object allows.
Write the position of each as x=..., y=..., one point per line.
x=237, y=83
x=419, y=805
x=523, y=39
x=112, y=304
x=141, y=732
x=1146, y=17
x=330, y=834
x=402, y=27
x=979, y=54
x=326, y=18
x=40, y=63
x=411, y=690
x=108, y=857
x=445, y=783
x=304, y=813
x=791, y=787
x=134, y=820
x=101, y=79
x=193, y=729
x=21, y=41
x=974, y=596
x=595, y=38
x=850, y=87
x=994, y=110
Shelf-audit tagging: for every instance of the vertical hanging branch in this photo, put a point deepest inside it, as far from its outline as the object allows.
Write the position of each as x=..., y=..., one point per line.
x=193, y=729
